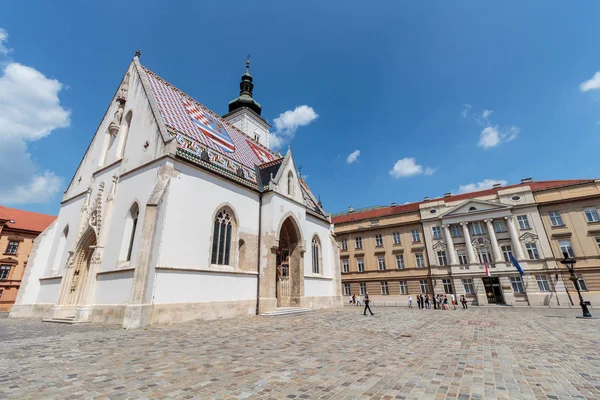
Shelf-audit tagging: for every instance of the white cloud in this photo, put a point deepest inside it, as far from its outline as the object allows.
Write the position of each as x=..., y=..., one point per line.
x=591, y=84
x=491, y=136
x=353, y=157
x=482, y=185
x=288, y=122
x=3, y=39
x=407, y=167
x=466, y=110
x=31, y=110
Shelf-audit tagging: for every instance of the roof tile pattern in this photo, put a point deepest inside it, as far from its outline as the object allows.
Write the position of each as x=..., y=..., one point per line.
x=25, y=220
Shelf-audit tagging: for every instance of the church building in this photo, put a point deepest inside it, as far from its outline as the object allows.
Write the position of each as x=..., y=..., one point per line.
x=176, y=213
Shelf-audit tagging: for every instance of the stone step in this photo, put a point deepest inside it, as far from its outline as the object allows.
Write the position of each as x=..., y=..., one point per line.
x=286, y=311
x=68, y=320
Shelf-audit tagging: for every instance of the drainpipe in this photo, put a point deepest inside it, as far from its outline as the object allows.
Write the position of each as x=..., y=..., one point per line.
x=258, y=252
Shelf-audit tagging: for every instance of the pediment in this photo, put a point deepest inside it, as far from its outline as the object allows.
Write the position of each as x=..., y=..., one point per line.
x=475, y=206
x=8, y=260
x=439, y=246
x=528, y=237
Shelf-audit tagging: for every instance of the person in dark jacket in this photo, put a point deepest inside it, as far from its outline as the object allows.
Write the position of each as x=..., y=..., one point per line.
x=367, y=302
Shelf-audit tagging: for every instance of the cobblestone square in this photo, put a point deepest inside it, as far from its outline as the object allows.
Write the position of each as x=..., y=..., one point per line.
x=477, y=353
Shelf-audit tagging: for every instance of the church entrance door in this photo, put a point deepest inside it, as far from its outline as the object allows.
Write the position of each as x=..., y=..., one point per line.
x=287, y=273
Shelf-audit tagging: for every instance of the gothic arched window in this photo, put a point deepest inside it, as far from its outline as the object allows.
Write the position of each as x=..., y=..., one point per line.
x=290, y=184
x=222, y=231
x=316, y=256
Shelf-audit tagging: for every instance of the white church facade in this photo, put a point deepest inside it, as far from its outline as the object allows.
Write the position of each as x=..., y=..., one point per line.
x=175, y=214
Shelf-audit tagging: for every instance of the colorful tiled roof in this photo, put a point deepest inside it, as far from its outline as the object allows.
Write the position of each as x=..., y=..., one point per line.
x=359, y=215
x=25, y=220
x=229, y=147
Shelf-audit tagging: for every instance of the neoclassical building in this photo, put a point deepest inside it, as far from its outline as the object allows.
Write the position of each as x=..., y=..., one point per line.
x=535, y=222
x=176, y=213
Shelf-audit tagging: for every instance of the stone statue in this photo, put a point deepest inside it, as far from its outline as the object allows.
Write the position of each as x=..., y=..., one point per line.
x=122, y=96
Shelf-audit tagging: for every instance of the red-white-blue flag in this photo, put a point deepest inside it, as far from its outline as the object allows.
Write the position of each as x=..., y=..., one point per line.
x=487, y=268
x=211, y=127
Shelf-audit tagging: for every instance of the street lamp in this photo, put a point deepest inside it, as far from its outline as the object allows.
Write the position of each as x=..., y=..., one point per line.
x=569, y=262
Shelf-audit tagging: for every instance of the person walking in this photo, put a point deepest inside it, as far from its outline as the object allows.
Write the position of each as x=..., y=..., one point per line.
x=351, y=299
x=428, y=302
x=409, y=301
x=419, y=301
x=358, y=303
x=463, y=300
x=367, y=301
x=453, y=298
x=445, y=302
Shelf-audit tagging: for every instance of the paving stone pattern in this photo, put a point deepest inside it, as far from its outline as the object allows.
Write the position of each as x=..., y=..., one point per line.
x=480, y=353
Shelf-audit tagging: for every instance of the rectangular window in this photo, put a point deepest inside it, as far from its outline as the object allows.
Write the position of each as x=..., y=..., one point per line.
x=581, y=283
x=532, y=251
x=591, y=213
x=555, y=218
x=447, y=285
x=542, y=282
x=484, y=255
x=378, y=241
x=468, y=284
x=12, y=247
x=403, y=287
x=477, y=228
x=420, y=260
x=1, y=291
x=523, y=222
x=396, y=236
x=384, y=288
x=437, y=232
x=499, y=226
x=360, y=265
x=345, y=265
x=344, y=244
x=358, y=242
x=456, y=230
x=346, y=289
x=565, y=248
x=506, y=252
x=399, y=261
x=462, y=257
x=423, y=285
x=363, y=288
x=381, y=263
x=442, y=261
x=416, y=236
x=598, y=241
x=4, y=271
x=517, y=284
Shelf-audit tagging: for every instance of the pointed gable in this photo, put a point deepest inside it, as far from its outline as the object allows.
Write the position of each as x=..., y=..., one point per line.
x=474, y=206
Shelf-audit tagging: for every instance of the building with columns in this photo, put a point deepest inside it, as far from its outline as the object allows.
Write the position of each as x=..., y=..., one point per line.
x=175, y=214
x=464, y=232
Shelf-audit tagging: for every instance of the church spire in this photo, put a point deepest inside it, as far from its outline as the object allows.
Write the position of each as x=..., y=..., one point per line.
x=245, y=99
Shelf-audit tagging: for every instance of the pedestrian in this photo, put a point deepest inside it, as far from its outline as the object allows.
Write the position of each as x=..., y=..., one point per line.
x=463, y=300
x=453, y=300
x=445, y=302
x=419, y=301
x=350, y=299
x=409, y=301
x=367, y=301
x=358, y=302
x=428, y=302
x=354, y=299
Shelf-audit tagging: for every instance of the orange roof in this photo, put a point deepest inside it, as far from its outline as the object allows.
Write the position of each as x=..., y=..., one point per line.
x=385, y=211
x=25, y=220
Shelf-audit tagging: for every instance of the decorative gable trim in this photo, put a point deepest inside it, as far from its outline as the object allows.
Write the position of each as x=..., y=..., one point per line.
x=493, y=207
x=8, y=261
x=528, y=237
x=439, y=245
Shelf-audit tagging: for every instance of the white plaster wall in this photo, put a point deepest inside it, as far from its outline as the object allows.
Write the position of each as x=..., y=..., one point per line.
x=68, y=215
x=114, y=288
x=247, y=123
x=48, y=291
x=193, y=199
x=195, y=286
x=317, y=287
x=134, y=187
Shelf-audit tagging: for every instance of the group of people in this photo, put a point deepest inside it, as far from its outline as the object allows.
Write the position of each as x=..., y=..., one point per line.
x=355, y=300
x=439, y=301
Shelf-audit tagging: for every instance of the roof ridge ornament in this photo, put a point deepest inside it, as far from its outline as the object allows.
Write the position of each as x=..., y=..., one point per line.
x=138, y=54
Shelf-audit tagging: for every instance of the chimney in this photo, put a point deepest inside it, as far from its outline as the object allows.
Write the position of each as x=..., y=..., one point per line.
x=447, y=194
x=526, y=180
x=350, y=209
x=426, y=198
x=497, y=185
x=393, y=204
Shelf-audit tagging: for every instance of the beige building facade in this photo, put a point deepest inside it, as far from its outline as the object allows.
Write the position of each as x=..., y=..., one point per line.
x=466, y=242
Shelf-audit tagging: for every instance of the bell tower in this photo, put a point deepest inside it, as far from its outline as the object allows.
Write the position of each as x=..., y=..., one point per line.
x=244, y=111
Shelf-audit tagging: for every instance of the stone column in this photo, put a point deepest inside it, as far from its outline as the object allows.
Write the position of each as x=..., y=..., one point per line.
x=497, y=254
x=450, y=245
x=468, y=244
x=514, y=237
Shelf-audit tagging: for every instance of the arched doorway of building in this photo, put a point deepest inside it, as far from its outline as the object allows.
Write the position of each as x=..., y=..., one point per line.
x=78, y=273
x=289, y=278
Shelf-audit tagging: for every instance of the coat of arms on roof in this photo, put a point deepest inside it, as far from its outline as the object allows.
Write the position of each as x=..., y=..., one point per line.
x=211, y=127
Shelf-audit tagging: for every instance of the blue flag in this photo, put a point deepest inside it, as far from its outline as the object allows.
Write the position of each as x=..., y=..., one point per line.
x=516, y=264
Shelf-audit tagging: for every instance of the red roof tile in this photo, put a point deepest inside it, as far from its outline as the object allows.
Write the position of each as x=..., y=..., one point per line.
x=25, y=220
x=386, y=211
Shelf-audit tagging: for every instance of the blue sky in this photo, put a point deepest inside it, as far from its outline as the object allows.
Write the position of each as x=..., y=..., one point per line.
x=390, y=79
